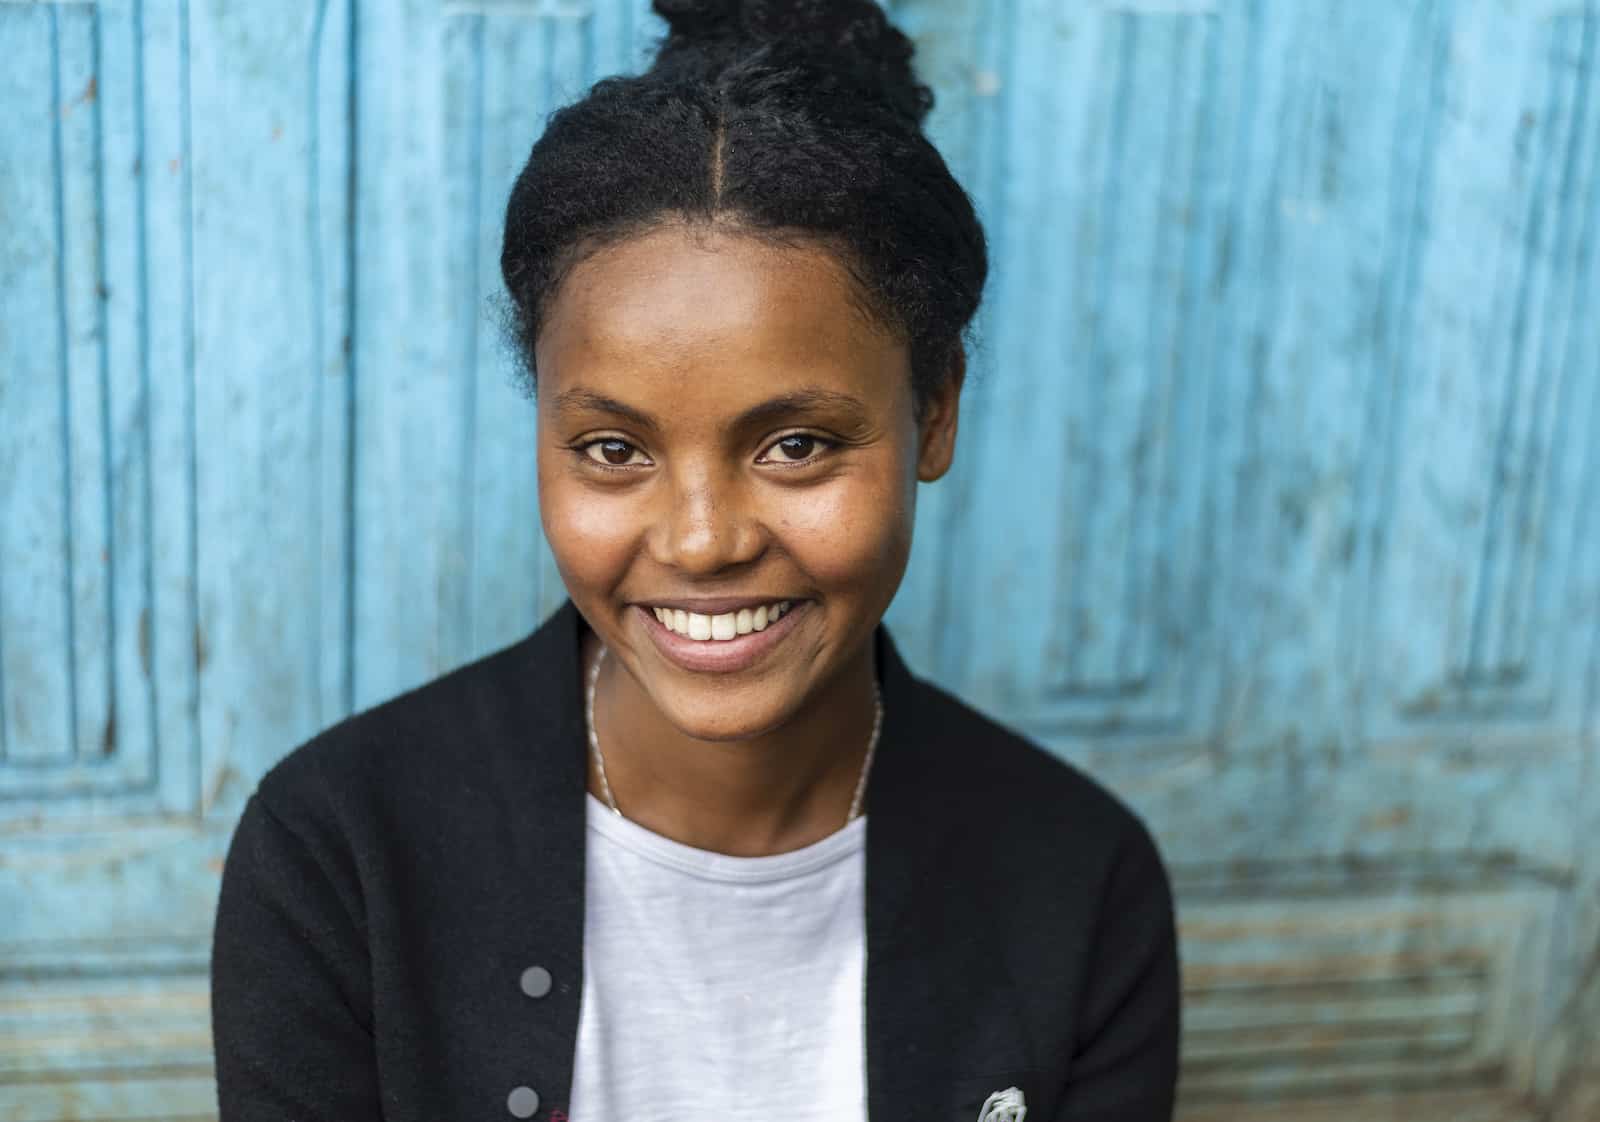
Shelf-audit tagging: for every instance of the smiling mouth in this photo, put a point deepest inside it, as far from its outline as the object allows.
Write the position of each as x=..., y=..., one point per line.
x=740, y=651
x=722, y=627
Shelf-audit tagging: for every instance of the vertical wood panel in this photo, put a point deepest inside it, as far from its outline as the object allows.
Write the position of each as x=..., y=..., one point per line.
x=109, y=424
x=462, y=50
x=1338, y=229
x=1090, y=400
x=1560, y=198
x=329, y=184
x=171, y=649
x=89, y=544
x=507, y=546
x=35, y=633
x=134, y=728
x=269, y=378
x=409, y=426
x=1475, y=548
x=509, y=581
x=1571, y=1003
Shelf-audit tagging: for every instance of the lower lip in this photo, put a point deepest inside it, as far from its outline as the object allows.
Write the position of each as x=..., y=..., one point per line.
x=721, y=656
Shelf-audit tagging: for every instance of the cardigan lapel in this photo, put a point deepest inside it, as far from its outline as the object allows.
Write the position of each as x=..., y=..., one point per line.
x=540, y=764
x=943, y=1028
x=940, y=1034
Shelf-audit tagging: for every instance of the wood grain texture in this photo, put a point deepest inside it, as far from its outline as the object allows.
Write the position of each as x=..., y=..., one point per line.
x=1277, y=504
x=98, y=573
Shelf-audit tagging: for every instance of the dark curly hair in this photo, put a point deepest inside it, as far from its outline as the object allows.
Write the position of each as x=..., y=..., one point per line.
x=793, y=120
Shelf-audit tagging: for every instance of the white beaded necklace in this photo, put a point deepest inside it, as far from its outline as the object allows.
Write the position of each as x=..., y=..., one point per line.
x=600, y=761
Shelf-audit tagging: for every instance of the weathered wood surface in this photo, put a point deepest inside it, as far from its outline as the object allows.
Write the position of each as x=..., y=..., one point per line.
x=1277, y=504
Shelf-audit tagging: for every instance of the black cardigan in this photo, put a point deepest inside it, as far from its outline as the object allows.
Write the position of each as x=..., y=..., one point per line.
x=391, y=881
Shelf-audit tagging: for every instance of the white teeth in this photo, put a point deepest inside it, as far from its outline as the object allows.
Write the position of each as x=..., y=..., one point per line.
x=720, y=628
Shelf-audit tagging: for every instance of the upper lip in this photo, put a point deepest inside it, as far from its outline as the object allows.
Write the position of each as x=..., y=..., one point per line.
x=716, y=605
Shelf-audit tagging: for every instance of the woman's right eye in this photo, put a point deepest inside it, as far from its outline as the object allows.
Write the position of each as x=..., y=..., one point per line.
x=612, y=452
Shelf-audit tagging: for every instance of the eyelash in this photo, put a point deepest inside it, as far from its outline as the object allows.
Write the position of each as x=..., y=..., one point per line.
x=824, y=445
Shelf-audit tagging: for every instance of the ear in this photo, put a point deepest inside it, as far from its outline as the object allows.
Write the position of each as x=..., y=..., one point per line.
x=937, y=429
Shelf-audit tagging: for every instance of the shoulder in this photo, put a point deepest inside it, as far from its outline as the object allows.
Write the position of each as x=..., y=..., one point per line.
x=424, y=745
x=1017, y=780
x=1055, y=842
x=1017, y=832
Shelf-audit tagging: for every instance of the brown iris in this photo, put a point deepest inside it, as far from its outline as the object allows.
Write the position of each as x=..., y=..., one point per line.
x=798, y=447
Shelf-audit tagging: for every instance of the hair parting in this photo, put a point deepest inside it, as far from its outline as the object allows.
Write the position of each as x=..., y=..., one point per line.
x=791, y=120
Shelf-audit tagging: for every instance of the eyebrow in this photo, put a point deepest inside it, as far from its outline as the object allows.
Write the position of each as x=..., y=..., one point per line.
x=799, y=401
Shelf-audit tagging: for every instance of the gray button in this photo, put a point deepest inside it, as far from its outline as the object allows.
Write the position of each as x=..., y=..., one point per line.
x=536, y=981
x=522, y=1102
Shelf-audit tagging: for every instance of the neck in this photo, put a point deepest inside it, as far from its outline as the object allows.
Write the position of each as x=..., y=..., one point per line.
x=773, y=793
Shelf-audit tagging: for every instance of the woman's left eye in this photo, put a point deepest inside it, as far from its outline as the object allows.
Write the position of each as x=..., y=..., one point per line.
x=795, y=449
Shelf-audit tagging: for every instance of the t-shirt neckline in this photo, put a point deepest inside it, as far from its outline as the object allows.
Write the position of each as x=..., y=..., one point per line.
x=707, y=865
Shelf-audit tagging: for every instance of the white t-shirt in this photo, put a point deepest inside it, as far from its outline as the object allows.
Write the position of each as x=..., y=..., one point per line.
x=720, y=987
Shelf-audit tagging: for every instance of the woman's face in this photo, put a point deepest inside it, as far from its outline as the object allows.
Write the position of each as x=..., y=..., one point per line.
x=722, y=430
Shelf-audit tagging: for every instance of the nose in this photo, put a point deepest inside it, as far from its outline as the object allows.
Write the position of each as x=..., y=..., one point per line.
x=707, y=525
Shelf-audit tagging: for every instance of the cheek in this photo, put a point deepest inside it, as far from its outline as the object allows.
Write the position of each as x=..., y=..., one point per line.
x=855, y=533
x=592, y=541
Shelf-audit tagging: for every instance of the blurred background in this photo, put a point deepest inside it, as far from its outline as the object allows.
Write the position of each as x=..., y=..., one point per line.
x=1277, y=503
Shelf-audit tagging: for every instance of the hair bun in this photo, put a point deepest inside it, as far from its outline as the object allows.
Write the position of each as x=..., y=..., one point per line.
x=699, y=19
x=845, y=36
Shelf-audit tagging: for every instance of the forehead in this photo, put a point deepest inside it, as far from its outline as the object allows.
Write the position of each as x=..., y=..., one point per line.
x=691, y=300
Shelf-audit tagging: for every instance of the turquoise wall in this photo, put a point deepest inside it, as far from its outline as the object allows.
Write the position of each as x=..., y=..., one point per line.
x=1277, y=502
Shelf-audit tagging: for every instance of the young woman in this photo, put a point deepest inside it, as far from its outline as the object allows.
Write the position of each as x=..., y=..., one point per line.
x=700, y=847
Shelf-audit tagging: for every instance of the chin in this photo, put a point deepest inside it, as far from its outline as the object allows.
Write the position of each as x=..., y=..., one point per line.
x=715, y=714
